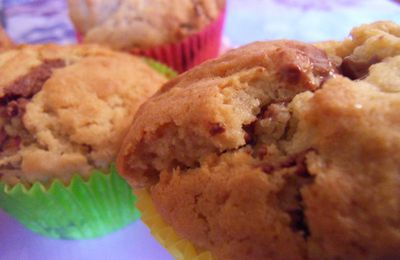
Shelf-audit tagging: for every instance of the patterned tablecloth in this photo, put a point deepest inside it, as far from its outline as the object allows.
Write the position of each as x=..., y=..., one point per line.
x=36, y=21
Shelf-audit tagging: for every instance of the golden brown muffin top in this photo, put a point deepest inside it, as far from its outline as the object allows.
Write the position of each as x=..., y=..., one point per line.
x=65, y=109
x=128, y=24
x=279, y=150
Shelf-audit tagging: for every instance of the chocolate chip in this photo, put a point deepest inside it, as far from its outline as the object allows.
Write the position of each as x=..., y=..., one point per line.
x=12, y=109
x=249, y=135
x=216, y=129
x=292, y=73
x=298, y=222
x=260, y=115
x=302, y=66
x=16, y=107
x=12, y=144
x=354, y=69
x=3, y=136
x=302, y=171
x=262, y=152
x=298, y=161
x=31, y=83
x=267, y=168
x=290, y=162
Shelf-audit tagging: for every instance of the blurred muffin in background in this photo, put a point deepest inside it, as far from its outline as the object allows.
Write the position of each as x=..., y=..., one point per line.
x=5, y=40
x=179, y=33
x=63, y=113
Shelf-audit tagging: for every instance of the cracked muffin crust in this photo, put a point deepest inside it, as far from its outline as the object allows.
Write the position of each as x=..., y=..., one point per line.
x=128, y=24
x=65, y=109
x=279, y=150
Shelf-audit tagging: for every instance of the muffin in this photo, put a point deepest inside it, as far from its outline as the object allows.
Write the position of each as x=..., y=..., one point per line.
x=276, y=150
x=5, y=41
x=63, y=113
x=178, y=33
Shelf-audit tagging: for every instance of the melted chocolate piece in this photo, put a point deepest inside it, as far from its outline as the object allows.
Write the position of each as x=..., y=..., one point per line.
x=31, y=83
x=3, y=137
x=297, y=69
x=216, y=128
x=16, y=107
x=298, y=222
x=357, y=69
x=250, y=136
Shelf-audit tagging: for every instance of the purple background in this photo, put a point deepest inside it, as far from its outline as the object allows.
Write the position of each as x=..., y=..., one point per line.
x=132, y=242
x=35, y=21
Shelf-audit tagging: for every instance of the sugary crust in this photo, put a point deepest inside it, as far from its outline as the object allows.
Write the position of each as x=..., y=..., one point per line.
x=250, y=158
x=77, y=119
x=353, y=206
x=227, y=92
x=128, y=24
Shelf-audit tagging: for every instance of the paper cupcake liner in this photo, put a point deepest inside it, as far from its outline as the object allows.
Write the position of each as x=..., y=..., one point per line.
x=179, y=248
x=189, y=52
x=161, y=68
x=82, y=209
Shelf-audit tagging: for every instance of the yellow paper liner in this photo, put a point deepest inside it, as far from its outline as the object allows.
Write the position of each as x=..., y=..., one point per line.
x=179, y=248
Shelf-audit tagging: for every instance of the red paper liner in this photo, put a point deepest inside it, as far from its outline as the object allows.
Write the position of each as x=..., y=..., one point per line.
x=189, y=52
x=79, y=38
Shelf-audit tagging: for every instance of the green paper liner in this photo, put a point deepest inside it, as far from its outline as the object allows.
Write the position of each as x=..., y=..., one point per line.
x=80, y=210
x=161, y=68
